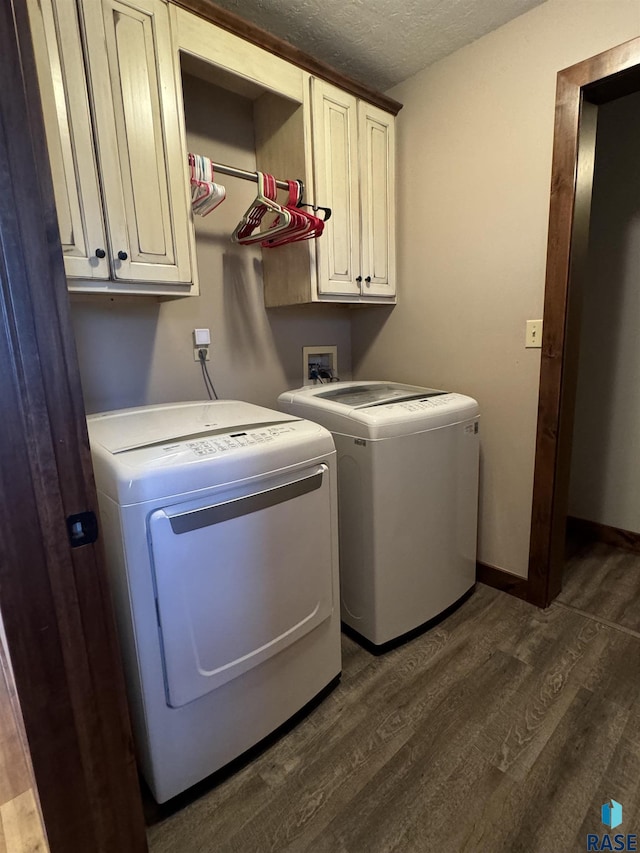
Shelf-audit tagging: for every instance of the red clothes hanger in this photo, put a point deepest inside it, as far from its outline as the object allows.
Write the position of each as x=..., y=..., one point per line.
x=264, y=203
x=304, y=226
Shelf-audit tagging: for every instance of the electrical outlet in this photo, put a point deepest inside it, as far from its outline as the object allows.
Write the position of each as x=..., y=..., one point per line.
x=196, y=353
x=533, y=337
x=314, y=359
x=201, y=340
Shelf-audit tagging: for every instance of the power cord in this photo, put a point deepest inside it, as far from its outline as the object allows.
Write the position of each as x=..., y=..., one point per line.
x=323, y=374
x=328, y=374
x=208, y=384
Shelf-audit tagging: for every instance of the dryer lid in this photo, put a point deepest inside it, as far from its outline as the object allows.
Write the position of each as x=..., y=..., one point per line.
x=130, y=429
x=156, y=452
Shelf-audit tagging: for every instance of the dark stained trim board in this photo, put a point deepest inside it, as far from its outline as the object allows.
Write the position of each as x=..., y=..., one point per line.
x=250, y=32
x=580, y=88
x=584, y=531
x=54, y=600
x=499, y=579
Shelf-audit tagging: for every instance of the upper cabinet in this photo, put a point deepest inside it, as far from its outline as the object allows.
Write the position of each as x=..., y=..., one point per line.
x=116, y=145
x=110, y=79
x=351, y=169
x=353, y=155
x=137, y=131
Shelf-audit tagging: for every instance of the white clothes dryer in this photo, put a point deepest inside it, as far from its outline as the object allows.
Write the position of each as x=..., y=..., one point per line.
x=219, y=522
x=407, y=498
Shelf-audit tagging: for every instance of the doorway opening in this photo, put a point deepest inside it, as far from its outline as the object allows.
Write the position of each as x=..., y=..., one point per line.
x=581, y=91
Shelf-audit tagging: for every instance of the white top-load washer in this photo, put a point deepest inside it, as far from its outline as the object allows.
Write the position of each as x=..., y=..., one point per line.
x=219, y=522
x=408, y=500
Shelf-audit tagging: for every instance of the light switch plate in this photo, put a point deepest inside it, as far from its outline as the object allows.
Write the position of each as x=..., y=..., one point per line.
x=533, y=336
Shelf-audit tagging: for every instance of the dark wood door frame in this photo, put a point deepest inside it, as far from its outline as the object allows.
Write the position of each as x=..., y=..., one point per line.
x=580, y=89
x=54, y=600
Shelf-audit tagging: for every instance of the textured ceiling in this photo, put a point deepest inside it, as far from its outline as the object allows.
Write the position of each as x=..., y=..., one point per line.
x=379, y=42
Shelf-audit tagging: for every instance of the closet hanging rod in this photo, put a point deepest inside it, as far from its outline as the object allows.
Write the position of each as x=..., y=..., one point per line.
x=243, y=173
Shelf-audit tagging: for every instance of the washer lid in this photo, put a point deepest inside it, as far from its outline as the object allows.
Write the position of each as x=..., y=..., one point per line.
x=377, y=410
x=361, y=396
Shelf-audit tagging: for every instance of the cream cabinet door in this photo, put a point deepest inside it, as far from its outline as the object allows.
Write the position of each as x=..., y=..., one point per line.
x=61, y=76
x=142, y=163
x=335, y=160
x=376, y=132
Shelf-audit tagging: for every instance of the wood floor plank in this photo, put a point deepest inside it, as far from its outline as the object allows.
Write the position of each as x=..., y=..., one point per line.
x=538, y=637
x=215, y=815
x=22, y=826
x=605, y=582
x=15, y=772
x=287, y=822
x=433, y=826
x=545, y=811
x=616, y=672
x=416, y=780
x=532, y=716
x=620, y=781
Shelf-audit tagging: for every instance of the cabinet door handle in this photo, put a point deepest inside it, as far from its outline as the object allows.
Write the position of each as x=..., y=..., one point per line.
x=123, y=256
x=358, y=278
x=368, y=279
x=100, y=253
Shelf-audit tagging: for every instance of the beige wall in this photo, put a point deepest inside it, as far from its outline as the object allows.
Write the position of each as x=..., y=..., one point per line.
x=138, y=351
x=475, y=140
x=605, y=469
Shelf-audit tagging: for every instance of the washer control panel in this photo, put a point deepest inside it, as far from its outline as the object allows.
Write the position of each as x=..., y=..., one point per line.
x=427, y=403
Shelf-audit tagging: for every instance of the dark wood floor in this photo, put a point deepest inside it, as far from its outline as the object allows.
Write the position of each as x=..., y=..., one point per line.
x=604, y=582
x=503, y=729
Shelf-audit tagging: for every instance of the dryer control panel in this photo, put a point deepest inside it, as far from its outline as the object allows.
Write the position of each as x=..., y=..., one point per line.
x=231, y=441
